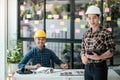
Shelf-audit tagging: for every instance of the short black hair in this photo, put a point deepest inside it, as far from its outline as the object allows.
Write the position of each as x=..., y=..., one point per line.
x=95, y=14
x=98, y=15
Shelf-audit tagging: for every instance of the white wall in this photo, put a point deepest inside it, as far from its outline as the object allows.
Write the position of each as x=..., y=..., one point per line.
x=7, y=20
x=12, y=23
x=3, y=38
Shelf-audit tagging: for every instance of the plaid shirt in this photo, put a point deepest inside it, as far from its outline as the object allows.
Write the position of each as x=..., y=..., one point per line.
x=101, y=39
x=35, y=56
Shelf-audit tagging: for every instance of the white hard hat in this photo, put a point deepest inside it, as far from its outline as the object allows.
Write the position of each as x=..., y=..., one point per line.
x=93, y=10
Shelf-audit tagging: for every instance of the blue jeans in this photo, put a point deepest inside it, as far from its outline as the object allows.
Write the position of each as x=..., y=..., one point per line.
x=96, y=71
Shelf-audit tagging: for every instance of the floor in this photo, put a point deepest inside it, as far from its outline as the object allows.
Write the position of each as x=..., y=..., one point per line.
x=112, y=75
x=116, y=69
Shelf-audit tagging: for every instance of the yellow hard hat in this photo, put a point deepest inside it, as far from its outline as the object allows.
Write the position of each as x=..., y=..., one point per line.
x=39, y=33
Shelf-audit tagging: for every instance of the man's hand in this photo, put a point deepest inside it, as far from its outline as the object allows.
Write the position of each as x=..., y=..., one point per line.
x=93, y=57
x=64, y=66
x=84, y=59
x=103, y=56
x=37, y=66
x=32, y=66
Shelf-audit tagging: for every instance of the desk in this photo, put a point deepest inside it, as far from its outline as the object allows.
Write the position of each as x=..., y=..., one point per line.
x=56, y=76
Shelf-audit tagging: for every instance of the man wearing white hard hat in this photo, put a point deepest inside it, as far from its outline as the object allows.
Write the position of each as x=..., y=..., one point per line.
x=40, y=56
x=97, y=46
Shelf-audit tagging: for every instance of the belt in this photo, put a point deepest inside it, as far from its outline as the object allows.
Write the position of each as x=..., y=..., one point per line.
x=95, y=61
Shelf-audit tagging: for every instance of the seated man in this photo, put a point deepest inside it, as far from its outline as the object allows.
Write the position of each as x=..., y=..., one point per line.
x=39, y=55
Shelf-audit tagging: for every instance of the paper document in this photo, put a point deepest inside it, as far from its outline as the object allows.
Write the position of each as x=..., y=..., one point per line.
x=44, y=69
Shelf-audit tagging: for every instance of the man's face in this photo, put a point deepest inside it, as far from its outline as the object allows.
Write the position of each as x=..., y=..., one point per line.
x=40, y=42
x=93, y=20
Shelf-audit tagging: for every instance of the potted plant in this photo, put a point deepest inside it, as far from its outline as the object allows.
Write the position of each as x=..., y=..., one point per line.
x=14, y=56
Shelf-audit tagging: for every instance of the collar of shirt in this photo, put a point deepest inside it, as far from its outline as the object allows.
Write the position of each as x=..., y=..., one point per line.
x=38, y=50
x=97, y=30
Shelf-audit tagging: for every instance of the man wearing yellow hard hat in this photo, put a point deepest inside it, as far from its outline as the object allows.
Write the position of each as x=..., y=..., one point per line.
x=40, y=56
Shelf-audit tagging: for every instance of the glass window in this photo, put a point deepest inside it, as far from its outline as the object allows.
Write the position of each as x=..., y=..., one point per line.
x=58, y=19
x=64, y=22
x=80, y=22
x=30, y=17
x=77, y=58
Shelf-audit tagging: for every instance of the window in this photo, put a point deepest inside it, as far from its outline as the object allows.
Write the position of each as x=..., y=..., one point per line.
x=63, y=20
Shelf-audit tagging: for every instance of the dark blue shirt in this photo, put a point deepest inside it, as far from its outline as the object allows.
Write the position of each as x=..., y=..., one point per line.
x=42, y=57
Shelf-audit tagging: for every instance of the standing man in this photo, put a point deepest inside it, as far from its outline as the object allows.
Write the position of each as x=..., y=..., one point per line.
x=97, y=46
x=39, y=55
